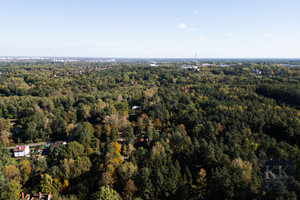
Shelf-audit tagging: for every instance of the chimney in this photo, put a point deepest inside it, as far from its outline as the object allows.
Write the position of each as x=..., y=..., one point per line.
x=49, y=196
x=40, y=195
x=22, y=195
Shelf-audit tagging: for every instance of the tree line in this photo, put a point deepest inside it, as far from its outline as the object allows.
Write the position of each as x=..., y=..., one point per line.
x=195, y=134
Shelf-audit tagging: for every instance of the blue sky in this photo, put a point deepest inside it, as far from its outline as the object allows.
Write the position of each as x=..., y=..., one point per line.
x=140, y=28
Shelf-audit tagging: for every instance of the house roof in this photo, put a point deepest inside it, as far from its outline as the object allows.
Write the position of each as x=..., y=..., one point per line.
x=19, y=148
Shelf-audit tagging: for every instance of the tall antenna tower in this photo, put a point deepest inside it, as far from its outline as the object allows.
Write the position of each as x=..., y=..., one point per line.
x=196, y=58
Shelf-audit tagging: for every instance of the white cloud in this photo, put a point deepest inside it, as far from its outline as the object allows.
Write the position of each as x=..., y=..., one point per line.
x=267, y=35
x=30, y=21
x=169, y=39
x=192, y=29
x=182, y=25
x=230, y=34
x=196, y=11
x=201, y=39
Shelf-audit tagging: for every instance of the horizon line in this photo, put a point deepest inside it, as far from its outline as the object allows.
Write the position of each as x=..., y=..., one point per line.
x=150, y=57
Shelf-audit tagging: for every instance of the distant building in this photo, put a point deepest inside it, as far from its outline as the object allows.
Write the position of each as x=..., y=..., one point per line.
x=40, y=196
x=135, y=107
x=21, y=150
x=285, y=65
x=188, y=67
x=206, y=64
x=256, y=71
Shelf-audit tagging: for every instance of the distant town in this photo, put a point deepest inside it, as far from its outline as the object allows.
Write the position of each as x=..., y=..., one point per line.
x=222, y=62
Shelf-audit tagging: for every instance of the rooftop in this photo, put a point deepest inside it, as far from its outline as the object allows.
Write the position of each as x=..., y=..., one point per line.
x=19, y=148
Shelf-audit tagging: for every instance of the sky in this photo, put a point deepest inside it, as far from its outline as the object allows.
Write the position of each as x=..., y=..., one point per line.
x=150, y=29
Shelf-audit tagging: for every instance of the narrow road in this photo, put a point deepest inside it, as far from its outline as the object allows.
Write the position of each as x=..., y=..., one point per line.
x=120, y=141
x=33, y=144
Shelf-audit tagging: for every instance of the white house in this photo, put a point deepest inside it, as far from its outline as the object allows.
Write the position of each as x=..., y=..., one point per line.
x=21, y=150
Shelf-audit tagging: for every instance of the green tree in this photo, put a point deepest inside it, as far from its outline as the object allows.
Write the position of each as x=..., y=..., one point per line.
x=106, y=193
x=129, y=190
x=59, y=128
x=25, y=170
x=11, y=172
x=11, y=191
x=145, y=184
x=46, y=184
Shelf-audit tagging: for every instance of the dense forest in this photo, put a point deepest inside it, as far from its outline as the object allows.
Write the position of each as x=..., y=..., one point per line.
x=132, y=131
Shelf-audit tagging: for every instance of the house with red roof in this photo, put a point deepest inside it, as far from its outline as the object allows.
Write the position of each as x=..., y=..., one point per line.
x=21, y=150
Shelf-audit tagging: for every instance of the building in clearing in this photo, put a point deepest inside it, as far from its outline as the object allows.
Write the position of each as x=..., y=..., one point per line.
x=135, y=107
x=21, y=150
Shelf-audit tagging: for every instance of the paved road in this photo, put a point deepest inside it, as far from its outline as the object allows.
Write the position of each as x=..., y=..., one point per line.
x=33, y=144
x=120, y=141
